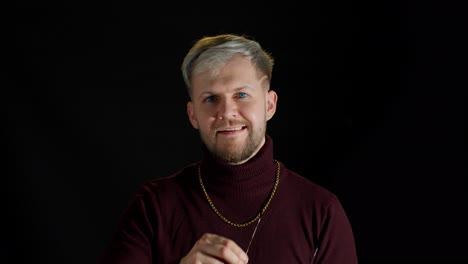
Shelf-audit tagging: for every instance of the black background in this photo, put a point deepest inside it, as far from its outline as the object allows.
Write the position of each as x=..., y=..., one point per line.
x=370, y=106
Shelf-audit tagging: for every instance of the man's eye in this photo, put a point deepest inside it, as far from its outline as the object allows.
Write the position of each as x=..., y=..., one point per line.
x=242, y=95
x=210, y=99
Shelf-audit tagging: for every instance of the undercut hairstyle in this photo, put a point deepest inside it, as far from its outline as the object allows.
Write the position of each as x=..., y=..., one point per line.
x=212, y=52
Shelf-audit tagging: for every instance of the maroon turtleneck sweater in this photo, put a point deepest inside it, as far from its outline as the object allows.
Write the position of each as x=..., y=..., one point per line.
x=169, y=214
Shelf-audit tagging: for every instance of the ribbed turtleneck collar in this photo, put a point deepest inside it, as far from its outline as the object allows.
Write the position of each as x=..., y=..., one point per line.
x=254, y=177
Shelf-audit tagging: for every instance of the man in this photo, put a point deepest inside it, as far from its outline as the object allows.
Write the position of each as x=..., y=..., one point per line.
x=238, y=204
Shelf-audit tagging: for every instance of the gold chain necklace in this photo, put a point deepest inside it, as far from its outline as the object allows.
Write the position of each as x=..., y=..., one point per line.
x=248, y=222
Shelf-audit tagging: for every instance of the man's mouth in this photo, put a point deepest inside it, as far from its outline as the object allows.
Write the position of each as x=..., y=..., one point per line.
x=231, y=130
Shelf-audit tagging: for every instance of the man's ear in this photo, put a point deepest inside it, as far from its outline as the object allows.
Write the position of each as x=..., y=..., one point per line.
x=271, y=99
x=191, y=115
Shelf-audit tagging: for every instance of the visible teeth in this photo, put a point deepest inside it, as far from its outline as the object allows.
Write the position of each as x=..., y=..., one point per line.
x=233, y=129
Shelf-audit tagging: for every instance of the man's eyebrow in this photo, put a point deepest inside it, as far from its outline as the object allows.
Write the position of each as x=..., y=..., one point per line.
x=205, y=94
x=238, y=89
x=235, y=90
x=244, y=87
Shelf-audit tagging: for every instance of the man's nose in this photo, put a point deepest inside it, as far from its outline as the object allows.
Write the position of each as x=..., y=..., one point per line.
x=227, y=108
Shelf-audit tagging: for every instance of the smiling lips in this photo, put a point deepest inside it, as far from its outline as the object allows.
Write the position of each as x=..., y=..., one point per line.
x=231, y=130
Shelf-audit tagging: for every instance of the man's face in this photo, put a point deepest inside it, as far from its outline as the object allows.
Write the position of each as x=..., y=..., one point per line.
x=230, y=110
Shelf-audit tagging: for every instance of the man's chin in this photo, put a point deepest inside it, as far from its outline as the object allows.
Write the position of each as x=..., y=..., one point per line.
x=231, y=157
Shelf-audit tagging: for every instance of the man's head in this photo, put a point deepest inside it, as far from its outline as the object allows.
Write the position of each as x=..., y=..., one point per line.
x=210, y=53
x=228, y=80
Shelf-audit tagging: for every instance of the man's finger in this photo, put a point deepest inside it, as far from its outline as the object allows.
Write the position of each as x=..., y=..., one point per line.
x=223, y=248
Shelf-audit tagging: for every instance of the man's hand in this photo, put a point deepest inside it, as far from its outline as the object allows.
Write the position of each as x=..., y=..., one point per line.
x=215, y=249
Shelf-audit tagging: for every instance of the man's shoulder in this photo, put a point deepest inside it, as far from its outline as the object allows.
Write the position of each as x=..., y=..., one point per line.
x=307, y=188
x=175, y=180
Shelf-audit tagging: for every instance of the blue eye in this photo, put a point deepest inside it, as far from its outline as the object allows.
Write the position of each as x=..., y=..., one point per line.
x=242, y=95
x=210, y=99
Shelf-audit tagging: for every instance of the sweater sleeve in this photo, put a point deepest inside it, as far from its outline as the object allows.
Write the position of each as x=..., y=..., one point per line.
x=133, y=235
x=336, y=240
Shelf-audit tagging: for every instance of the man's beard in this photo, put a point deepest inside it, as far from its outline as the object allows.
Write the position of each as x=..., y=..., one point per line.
x=236, y=154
